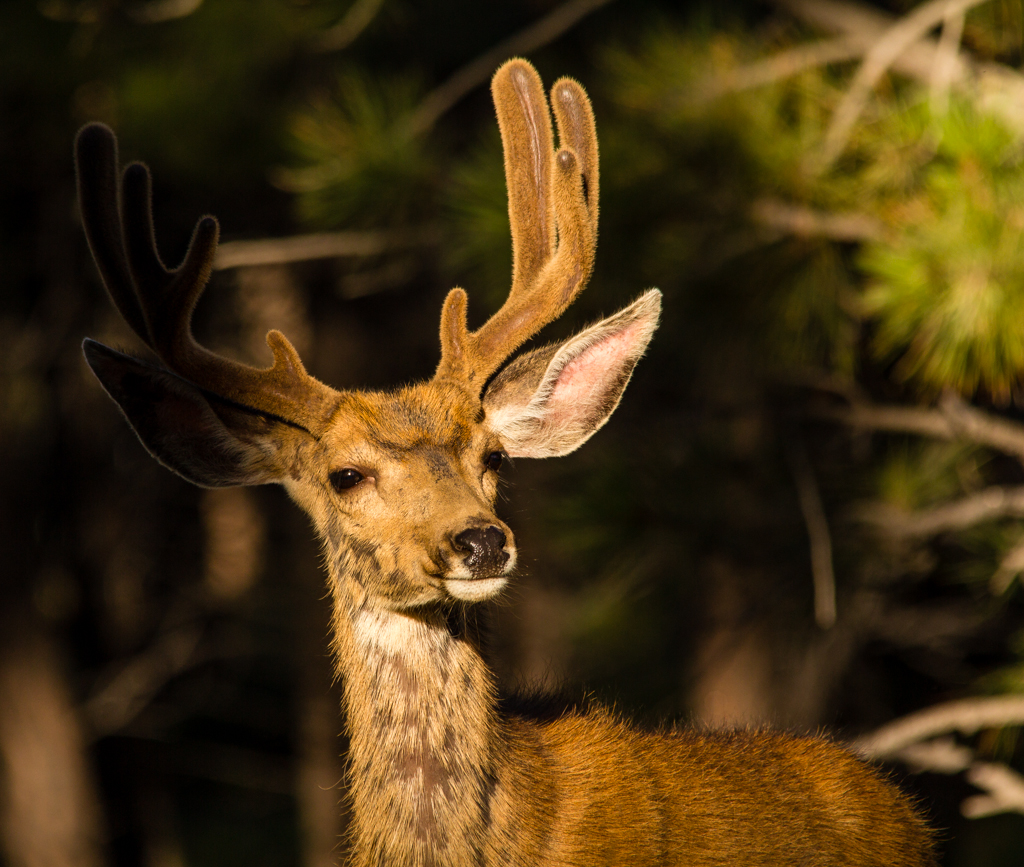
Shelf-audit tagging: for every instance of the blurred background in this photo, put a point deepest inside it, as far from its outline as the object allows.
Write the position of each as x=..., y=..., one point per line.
x=808, y=511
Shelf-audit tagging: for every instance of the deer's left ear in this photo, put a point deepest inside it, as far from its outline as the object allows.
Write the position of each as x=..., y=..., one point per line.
x=550, y=401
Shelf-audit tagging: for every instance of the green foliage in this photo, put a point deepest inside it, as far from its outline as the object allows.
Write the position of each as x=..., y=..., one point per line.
x=916, y=475
x=358, y=162
x=480, y=250
x=946, y=291
x=945, y=282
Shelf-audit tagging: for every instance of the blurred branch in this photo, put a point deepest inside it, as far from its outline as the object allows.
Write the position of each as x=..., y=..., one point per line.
x=915, y=740
x=322, y=245
x=136, y=682
x=158, y=11
x=818, y=534
x=876, y=62
x=804, y=222
x=991, y=503
x=936, y=627
x=993, y=87
x=944, y=66
x=1004, y=787
x=782, y=65
x=1009, y=568
x=953, y=419
x=345, y=32
x=537, y=35
x=966, y=716
x=1004, y=791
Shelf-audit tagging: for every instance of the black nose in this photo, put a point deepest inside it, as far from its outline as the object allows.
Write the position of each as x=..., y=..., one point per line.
x=485, y=549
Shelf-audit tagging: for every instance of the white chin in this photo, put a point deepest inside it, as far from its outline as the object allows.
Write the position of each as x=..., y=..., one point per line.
x=475, y=589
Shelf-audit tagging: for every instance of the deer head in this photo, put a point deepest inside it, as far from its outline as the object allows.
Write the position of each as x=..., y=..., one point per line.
x=401, y=485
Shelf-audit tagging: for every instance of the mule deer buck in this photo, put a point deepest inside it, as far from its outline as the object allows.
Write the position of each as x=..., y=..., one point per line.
x=401, y=488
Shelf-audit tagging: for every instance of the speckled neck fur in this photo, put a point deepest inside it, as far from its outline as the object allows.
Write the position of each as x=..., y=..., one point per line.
x=420, y=706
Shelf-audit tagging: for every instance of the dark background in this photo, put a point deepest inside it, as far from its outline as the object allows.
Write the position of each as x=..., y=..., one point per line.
x=166, y=695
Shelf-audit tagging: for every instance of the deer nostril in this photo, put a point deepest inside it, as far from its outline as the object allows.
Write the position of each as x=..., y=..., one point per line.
x=484, y=547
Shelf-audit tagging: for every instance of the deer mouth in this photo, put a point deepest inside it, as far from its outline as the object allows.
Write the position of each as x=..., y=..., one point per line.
x=475, y=589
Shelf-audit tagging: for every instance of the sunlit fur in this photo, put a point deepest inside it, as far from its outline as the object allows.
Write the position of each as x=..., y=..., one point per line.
x=442, y=772
x=422, y=451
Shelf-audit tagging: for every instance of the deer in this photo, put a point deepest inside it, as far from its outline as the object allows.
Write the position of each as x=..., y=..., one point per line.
x=401, y=486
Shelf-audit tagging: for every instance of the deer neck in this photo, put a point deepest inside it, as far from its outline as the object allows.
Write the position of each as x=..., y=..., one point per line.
x=420, y=707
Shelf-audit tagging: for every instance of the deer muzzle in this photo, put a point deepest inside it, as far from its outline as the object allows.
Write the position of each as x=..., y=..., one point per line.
x=484, y=550
x=480, y=559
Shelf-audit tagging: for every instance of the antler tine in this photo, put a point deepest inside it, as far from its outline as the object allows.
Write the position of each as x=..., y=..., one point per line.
x=552, y=198
x=578, y=132
x=96, y=169
x=158, y=302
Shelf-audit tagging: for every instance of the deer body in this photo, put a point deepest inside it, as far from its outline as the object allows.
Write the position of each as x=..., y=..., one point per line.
x=460, y=784
x=401, y=489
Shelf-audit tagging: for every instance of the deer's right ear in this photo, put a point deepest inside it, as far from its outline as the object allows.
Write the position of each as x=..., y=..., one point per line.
x=550, y=401
x=208, y=442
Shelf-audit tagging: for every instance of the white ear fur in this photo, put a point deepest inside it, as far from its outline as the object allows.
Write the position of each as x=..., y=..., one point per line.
x=549, y=402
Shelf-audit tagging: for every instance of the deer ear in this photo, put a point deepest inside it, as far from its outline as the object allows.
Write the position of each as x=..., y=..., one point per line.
x=206, y=441
x=550, y=401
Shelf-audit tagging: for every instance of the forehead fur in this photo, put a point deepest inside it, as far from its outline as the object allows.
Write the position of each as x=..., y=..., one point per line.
x=440, y=413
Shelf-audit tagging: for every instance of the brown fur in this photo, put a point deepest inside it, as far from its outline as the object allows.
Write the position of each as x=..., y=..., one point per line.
x=401, y=488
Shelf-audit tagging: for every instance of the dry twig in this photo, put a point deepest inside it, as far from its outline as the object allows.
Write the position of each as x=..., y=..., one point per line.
x=158, y=11
x=785, y=64
x=992, y=87
x=953, y=420
x=987, y=505
x=877, y=61
x=1009, y=568
x=804, y=222
x=966, y=716
x=944, y=67
x=818, y=534
x=1003, y=787
x=345, y=32
x=1004, y=791
x=477, y=71
x=322, y=245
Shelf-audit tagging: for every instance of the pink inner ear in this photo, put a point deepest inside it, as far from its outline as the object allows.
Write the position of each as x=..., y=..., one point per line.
x=584, y=381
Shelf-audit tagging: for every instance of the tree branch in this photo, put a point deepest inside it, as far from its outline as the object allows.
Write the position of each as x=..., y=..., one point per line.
x=530, y=38
x=993, y=87
x=158, y=11
x=953, y=420
x=345, y=32
x=1004, y=791
x=128, y=691
x=877, y=61
x=966, y=716
x=804, y=222
x=1009, y=568
x=944, y=66
x=322, y=245
x=1003, y=787
x=782, y=65
x=818, y=534
x=991, y=503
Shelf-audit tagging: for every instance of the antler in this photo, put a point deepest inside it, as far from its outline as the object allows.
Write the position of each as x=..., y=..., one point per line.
x=552, y=204
x=158, y=302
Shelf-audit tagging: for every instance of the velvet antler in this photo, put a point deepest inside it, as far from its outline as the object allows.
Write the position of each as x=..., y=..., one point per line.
x=552, y=203
x=158, y=302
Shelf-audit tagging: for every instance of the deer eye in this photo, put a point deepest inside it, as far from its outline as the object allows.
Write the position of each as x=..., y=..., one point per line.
x=493, y=461
x=343, y=479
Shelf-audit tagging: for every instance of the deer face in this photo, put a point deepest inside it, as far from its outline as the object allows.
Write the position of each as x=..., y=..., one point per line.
x=402, y=488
